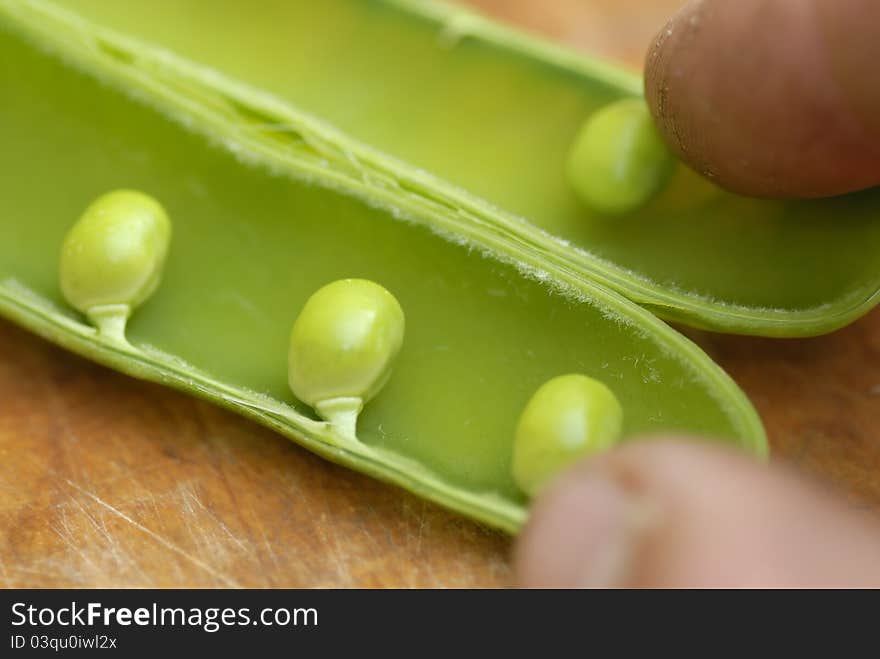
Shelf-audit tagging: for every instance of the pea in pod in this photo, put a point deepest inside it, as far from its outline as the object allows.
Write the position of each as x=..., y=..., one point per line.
x=112, y=258
x=265, y=218
x=568, y=417
x=342, y=347
x=619, y=162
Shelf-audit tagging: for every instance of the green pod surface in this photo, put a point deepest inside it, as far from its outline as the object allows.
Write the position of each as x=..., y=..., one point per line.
x=495, y=113
x=263, y=219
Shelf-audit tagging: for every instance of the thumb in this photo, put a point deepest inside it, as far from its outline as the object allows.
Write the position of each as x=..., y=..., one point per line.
x=674, y=513
x=774, y=99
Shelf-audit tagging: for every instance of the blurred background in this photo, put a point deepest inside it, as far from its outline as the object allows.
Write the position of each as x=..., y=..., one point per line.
x=615, y=29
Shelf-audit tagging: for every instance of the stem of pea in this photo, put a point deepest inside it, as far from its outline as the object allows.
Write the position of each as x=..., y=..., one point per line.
x=110, y=321
x=342, y=415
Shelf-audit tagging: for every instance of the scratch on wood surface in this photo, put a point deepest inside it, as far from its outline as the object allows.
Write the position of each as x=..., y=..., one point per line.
x=205, y=536
x=334, y=554
x=268, y=545
x=72, y=543
x=123, y=560
x=220, y=456
x=155, y=536
x=219, y=453
x=189, y=495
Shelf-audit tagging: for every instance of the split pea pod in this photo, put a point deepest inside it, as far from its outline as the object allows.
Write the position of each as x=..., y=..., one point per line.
x=497, y=114
x=263, y=222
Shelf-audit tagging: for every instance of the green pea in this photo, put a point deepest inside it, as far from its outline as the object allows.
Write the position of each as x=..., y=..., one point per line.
x=342, y=346
x=568, y=417
x=619, y=161
x=112, y=258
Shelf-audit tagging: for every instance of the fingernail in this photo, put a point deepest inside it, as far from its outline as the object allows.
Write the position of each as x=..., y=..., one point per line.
x=592, y=526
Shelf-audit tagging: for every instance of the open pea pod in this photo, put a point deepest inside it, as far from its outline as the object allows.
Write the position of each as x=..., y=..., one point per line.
x=495, y=113
x=262, y=219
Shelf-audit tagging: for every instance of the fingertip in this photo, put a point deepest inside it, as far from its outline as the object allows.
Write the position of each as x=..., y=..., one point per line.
x=751, y=95
x=578, y=534
x=672, y=511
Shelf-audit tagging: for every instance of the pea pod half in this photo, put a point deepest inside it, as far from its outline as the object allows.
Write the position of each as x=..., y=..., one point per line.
x=262, y=221
x=496, y=113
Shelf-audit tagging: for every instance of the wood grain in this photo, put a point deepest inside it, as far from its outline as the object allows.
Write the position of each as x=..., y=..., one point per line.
x=108, y=481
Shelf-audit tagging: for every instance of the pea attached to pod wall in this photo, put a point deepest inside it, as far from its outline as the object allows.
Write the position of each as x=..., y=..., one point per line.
x=568, y=417
x=112, y=258
x=619, y=161
x=342, y=347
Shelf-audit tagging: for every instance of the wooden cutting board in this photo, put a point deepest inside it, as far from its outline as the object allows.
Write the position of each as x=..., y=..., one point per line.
x=108, y=481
